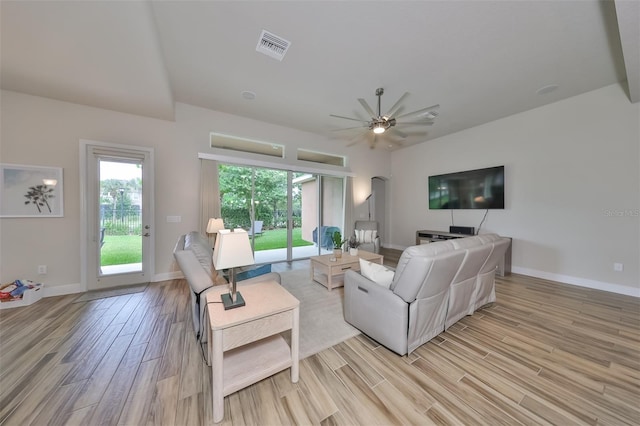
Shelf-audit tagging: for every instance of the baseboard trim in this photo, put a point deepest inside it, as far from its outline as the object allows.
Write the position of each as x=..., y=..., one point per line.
x=175, y=275
x=61, y=290
x=581, y=282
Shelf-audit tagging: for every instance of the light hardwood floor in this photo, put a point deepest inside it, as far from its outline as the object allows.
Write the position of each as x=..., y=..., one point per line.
x=544, y=353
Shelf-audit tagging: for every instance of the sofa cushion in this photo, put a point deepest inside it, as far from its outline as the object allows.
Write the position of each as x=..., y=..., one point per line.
x=377, y=273
x=196, y=276
x=468, y=242
x=421, y=253
x=488, y=238
x=200, y=246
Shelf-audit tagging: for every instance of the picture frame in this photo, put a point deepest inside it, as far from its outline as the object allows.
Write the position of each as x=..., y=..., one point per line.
x=31, y=191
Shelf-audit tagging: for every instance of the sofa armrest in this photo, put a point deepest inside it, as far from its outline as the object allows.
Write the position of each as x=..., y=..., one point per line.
x=376, y=311
x=192, y=270
x=376, y=245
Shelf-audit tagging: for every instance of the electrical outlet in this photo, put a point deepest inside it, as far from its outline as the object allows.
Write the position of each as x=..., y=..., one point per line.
x=618, y=267
x=42, y=269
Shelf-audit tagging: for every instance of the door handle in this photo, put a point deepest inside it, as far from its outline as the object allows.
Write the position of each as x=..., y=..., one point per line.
x=146, y=234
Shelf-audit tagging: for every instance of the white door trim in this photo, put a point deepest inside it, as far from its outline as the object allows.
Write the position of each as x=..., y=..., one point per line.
x=85, y=210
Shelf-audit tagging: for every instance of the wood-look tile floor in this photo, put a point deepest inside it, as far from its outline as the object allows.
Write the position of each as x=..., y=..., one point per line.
x=544, y=353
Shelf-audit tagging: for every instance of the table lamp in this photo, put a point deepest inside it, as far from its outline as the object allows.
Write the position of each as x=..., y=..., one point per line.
x=214, y=225
x=232, y=249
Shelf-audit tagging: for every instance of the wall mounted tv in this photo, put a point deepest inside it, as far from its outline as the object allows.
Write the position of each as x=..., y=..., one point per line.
x=472, y=189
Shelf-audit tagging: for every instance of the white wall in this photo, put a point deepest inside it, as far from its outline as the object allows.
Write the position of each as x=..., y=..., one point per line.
x=572, y=194
x=45, y=132
x=570, y=168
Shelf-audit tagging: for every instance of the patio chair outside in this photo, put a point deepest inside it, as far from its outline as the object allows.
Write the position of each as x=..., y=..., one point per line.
x=257, y=228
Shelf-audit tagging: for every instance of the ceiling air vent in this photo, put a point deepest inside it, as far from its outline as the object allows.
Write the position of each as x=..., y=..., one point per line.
x=272, y=45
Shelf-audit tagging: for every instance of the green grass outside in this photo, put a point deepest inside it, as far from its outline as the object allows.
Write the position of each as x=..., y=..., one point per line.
x=124, y=249
x=277, y=238
x=121, y=250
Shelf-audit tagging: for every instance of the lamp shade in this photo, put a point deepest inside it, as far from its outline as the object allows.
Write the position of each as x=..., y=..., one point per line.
x=232, y=249
x=214, y=225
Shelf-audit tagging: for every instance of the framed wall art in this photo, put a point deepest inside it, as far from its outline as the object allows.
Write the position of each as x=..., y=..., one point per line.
x=31, y=191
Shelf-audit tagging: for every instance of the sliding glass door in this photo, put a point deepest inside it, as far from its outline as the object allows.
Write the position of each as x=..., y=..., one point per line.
x=283, y=211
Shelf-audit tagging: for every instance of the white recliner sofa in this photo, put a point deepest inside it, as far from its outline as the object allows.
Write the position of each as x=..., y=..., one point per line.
x=434, y=286
x=194, y=255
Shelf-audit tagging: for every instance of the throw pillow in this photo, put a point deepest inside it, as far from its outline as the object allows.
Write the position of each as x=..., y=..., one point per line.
x=376, y=273
x=365, y=236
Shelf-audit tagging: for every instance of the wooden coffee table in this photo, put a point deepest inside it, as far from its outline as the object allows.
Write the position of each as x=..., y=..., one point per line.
x=331, y=273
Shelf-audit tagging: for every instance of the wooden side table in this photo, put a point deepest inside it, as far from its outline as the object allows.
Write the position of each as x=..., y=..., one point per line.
x=245, y=345
x=331, y=273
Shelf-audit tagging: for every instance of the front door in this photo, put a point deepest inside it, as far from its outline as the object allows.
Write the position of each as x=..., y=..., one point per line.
x=119, y=218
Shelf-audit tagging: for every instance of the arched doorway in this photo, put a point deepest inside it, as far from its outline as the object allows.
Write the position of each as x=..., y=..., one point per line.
x=378, y=205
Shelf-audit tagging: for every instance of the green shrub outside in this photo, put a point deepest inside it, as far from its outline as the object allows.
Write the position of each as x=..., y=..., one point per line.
x=239, y=218
x=119, y=228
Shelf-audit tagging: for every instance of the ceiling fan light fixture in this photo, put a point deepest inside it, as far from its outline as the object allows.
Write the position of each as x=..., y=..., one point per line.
x=378, y=128
x=379, y=123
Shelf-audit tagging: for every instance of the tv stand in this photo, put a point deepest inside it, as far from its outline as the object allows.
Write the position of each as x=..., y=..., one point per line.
x=426, y=237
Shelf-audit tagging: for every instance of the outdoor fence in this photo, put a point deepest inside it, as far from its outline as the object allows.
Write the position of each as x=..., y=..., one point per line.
x=121, y=220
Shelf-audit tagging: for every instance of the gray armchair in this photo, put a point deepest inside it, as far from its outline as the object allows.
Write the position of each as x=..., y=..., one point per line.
x=371, y=225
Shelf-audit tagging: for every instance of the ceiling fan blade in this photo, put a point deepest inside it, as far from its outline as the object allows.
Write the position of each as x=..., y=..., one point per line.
x=367, y=108
x=347, y=118
x=415, y=123
x=395, y=106
x=348, y=128
x=398, y=132
x=415, y=133
x=357, y=139
x=420, y=111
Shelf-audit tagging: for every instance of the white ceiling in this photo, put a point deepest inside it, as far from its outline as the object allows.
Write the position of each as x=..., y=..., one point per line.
x=480, y=60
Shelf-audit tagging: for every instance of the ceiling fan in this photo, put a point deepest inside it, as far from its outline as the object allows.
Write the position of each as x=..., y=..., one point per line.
x=379, y=123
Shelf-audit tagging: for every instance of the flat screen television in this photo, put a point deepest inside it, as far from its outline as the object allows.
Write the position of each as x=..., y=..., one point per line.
x=472, y=189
